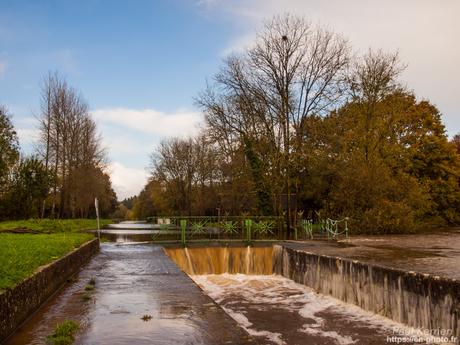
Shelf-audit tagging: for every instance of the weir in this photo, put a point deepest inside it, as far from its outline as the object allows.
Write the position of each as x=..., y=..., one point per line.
x=417, y=300
x=414, y=299
x=219, y=260
x=290, y=293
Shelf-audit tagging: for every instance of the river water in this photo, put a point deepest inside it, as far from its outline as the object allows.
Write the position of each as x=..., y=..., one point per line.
x=133, y=280
x=278, y=311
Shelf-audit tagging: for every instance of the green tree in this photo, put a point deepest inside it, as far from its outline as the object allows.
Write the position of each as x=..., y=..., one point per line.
x=392, y=171
x=456, y=142
x=430, y=157
x=9, y=149
x=31, y=184
x=145, y=205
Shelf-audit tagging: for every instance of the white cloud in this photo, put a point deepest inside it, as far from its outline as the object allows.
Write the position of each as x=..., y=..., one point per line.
x=240, y=43
x=127, y=181
x=424, y=31
x=26, y=129
x=130, y=135
x=128, y=145
x=27, y=136
x=180, y=123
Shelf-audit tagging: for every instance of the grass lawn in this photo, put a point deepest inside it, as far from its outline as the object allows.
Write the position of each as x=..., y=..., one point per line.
x=22, y=254
x=53, y=225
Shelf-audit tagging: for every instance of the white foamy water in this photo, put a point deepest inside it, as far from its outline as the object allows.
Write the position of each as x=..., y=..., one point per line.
x=253, y=301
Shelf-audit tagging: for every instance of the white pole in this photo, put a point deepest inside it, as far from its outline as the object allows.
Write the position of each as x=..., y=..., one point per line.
x=96, y=204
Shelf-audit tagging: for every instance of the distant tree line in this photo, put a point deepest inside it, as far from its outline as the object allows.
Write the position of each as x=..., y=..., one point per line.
x=67, y=171
x=298, y=125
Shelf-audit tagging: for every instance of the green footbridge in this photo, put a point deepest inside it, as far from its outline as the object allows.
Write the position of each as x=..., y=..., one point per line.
x=185, y=229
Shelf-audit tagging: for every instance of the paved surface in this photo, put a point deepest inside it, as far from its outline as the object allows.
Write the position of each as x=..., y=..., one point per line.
x=435, y=253
x=133, y=281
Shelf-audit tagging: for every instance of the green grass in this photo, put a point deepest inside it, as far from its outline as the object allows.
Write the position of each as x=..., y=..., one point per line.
x=89, y=287
x=22, y=254
x=53, y=225
x=86, y=296
x=64, y=333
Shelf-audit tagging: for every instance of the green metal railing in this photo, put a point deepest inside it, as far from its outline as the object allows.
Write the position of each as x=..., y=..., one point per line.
x=243, y=228
x=323, y=228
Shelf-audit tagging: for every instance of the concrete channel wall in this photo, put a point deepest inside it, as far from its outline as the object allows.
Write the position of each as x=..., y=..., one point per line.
x=18, y=303
x=417, y=300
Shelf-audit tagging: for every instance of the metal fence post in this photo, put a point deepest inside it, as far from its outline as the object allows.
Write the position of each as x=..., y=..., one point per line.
x=346, y=227
x=183, y=226
x=248, y=224
x=96, y=205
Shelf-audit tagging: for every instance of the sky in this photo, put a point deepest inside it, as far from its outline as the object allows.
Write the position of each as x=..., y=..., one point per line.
x=140, y=63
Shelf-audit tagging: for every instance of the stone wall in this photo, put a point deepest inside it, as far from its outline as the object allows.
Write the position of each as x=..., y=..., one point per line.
x=417, y=300
x=18, y=303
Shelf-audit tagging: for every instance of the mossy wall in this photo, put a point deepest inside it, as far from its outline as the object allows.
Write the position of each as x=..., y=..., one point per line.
x=19, y=302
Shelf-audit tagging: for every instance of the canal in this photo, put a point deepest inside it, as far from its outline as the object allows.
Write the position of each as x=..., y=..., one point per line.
x=141, y=296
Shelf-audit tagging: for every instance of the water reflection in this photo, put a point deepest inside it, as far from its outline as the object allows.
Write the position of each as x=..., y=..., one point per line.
x=132, y=281
x=131, y=225
x=121, y=236
x=135, y=231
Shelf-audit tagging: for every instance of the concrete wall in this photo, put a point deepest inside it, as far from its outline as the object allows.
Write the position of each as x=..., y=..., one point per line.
x=414, y=299
x=18, y=303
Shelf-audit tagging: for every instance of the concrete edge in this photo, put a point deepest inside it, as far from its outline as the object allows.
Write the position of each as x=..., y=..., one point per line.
x=20, y=302
x=414, y=274
x=438, y=294
x=217, y=305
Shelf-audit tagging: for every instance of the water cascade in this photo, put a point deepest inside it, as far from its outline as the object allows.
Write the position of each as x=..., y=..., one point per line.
x=218, y=260
x=417, y=300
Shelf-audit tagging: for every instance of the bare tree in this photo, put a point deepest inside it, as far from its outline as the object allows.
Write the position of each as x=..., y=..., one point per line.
x=47, y=87
x=374, y=77
x=295, y=70
x=174, y=165
x=71, y=148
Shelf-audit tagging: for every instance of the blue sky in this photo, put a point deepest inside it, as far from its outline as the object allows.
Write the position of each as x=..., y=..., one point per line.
x=140, y=63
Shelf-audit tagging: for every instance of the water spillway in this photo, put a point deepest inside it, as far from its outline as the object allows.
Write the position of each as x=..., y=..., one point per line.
x=219, y=260
x=293, y=293
x=418, y=300
x=412, y=299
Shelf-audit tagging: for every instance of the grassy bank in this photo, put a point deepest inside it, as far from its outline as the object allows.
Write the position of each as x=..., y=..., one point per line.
x=51, y=225
x=22, y=254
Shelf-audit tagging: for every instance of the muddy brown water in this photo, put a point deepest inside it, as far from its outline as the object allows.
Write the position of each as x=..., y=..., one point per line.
x=277, y=311
x=133, y=280
x=219, y=260
x=274, y=309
